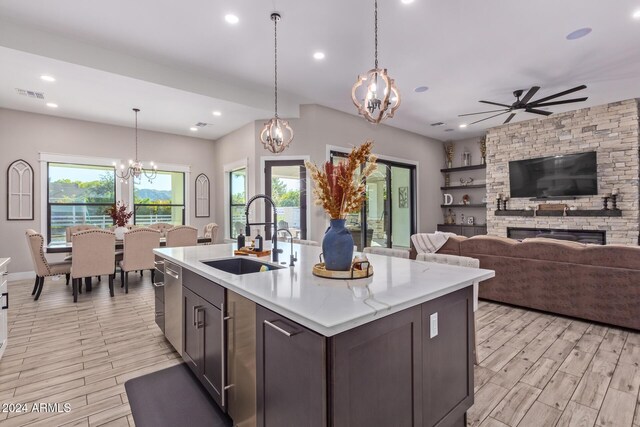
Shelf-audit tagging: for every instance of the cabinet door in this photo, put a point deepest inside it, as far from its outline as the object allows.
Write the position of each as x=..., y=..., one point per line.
x=447, y=358
x=468, y=231
x=291, y=386
x=480, y=230
x=377, y=373
x=211, y=322
x=192, y=351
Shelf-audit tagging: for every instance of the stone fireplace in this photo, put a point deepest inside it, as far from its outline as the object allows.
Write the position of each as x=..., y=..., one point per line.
x=611, y=130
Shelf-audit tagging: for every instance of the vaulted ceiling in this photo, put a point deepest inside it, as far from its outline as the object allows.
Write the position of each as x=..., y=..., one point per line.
x=180, y=61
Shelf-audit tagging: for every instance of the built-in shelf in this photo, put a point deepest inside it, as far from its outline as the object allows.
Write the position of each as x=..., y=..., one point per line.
x=464, y=168
x=462, y=187
x=578, y=212
x=470, y=205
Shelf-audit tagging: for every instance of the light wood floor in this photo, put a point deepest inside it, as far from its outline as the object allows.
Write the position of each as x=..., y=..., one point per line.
x=535, y=369
x=542, y=370
x=82, y=354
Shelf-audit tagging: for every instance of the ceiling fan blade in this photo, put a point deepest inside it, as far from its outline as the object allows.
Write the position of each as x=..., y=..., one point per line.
x=487, y=118
x=496, y=103
x=566, y=101
x=559, y=94
x=530, y=94
x=534, y=111
x=481, y=112
x=511, y=116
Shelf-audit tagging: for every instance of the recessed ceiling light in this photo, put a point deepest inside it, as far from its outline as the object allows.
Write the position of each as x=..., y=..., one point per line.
x=407, y=1
x=47, y=78
x=636, y=14
x=318, y=55
x=579, y=33
x=193, y=129
x=217, y=113
x=421, y=89
x=462, y=125
x=231, y=19
x=52, y=105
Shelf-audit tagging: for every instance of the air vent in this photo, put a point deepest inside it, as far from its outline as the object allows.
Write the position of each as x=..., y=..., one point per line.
x=448, y=130
x=30, y=93
x=201, y=124
x=437, y=124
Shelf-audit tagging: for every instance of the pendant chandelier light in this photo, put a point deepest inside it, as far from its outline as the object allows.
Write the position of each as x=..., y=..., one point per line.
x=136, y=168
x=378, y=103
x=276, y=134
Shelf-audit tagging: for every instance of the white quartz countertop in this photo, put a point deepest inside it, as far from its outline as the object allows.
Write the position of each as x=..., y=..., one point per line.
x=328, y=306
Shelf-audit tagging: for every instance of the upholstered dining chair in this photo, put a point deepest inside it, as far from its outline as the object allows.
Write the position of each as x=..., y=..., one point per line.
x=42, y=267
x=138, y=253
x=182, y=235
x=94, y=254
x=211, y=232
x=306, y=242
x=378, y=250
x=72, y=229
x=162, y=227
x=461, y=261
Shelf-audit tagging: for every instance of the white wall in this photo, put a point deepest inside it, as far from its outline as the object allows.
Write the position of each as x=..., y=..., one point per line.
x=319, y=127
x=24, y=135
x=234, y=148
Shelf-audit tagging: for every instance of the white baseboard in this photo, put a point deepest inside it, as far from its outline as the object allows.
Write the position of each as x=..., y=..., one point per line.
x=23, y=275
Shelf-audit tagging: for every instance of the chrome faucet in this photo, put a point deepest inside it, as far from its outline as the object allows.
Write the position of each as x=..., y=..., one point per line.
x=275, y=251
x=292, y=258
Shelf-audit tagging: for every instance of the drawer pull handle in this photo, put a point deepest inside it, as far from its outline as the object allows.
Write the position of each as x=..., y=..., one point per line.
x=158, y=262
x=5, y=295
x=172, y=273
x=279, y=329
x=196, y=316
x=4, y=273
x=158, y=285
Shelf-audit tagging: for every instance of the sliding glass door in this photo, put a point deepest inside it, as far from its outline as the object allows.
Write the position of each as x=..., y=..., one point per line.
x=285, y=183
x=389, y=213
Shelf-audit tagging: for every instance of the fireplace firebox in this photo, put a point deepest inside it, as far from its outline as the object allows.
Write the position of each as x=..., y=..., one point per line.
x=597, y=237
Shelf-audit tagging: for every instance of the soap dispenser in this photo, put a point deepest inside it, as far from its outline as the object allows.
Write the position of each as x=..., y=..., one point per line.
x=258, y=243
x=241, y=240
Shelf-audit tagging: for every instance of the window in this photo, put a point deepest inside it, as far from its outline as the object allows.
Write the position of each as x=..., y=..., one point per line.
x=161, y=200
x=78, y=194
x=237, y=202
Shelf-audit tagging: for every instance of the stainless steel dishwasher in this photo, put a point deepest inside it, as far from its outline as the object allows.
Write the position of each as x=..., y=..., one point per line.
x=241, y=360
x=173, y=304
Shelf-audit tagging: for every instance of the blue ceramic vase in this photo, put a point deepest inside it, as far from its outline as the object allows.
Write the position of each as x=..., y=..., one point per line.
x=337, y=246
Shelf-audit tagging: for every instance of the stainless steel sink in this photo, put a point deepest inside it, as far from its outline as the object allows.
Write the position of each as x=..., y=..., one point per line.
x=240, y=265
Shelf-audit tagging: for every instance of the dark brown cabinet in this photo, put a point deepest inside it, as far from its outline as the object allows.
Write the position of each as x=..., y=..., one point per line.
x=377, y=373
x=204, y=340
x=447, y=364
x=291, y=376
x=463, y=230
x=400, y=370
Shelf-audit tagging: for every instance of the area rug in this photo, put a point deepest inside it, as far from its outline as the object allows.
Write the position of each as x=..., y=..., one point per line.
x=173, y=397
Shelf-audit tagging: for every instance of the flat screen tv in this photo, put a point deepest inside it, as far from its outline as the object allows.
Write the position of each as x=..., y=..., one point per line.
x=554, y=177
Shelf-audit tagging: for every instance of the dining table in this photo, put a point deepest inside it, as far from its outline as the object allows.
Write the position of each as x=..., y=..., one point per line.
x=66, y=247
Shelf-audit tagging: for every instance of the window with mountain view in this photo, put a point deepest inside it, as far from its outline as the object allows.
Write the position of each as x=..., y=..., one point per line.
x=78, y=194
x=161, y=200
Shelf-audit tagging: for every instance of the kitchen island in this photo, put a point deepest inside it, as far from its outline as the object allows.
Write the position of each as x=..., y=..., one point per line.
x=284, y=347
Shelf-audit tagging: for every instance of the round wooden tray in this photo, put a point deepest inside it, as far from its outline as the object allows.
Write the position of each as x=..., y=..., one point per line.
x=359, y=270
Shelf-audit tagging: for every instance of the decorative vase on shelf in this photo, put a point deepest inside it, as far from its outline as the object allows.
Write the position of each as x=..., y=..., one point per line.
x=337, y=246
x=120, y=232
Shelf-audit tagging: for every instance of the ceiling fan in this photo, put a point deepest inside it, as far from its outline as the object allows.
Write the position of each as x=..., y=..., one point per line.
x=527, y=105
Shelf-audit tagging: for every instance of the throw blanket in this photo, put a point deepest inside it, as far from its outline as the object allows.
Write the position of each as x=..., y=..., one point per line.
x=430, y=242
